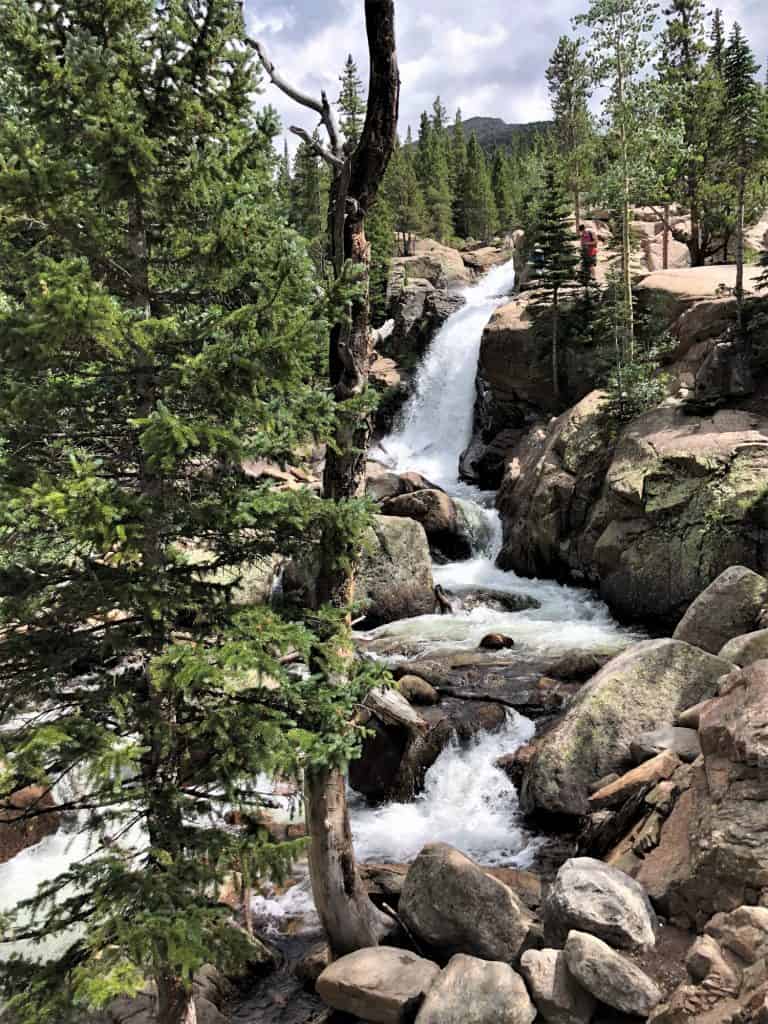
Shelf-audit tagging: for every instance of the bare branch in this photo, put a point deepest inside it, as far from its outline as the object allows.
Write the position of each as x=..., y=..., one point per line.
x=318, y=148
x=321, y=106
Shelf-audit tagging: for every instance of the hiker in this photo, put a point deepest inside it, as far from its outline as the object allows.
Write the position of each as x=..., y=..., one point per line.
x=588, y=240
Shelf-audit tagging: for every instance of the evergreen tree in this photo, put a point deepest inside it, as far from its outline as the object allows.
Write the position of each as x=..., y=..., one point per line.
x=743, y=110
x=434, y=176
x=351, y=103
x=479, y=204
x=717, y=38
x=560, y=261
x=503, y=191
x=690, y=98
x=309, y=197
x=164, y=327
x=621, y=50
x=283, y=182
x=568, y=77
x=403, y=195
x=458, y=168
x=380, y=232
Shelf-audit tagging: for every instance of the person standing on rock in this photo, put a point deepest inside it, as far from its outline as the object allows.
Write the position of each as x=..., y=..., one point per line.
x=588, y=240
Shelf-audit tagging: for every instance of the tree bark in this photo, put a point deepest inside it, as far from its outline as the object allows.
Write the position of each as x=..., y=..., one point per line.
x=175, y=1004
x=555, y=361
x=740, y=265
x=350, y=919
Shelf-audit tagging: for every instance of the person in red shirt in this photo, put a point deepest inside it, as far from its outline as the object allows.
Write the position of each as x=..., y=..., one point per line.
x=588, y=240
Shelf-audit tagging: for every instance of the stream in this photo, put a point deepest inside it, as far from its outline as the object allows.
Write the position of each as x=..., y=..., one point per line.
x=467, y=801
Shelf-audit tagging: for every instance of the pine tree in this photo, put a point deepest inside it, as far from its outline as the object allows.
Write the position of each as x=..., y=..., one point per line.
x=433, y=174
x=568, y=77
x=458, y=167
x=351, y=103
x=164, y=327
x=621, y=49
x=381, y=234
x=717, y=39
x=403, y=195
x=309, y=198
x=559, y=260
x=283, y=182
x=479, y=204
x=690, y=98
x=743, y=111
x=503, y=191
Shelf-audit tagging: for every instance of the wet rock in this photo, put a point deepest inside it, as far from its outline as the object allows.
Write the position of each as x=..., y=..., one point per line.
x=444, y=526
x=745, y=650
x=728, y=608
x=395, y=758
x=662, y=766
x=682, y=742
x=17, y=833
x=392, y=724
x=382, y=985
x=578, y=666
x=417, y=690
x=477, y=991
x=647, y=685
x=496, y=642
x=559, y=998
x=381, y=483
x=498, y=600
x=610, y=977
x=591, y=896
x=449, y=903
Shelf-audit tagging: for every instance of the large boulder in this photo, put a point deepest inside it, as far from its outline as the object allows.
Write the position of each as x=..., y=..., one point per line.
x=449, y=903
x=747, y=649
x=729, y=607
x=382, y=985
x=473, y=991
x=17, y=831
x=590, y=896
x=439, y=264
x=647, y=685
x=395, y=576
x=559, y=998
x=396, y=757
x=444, y=524
x=551, y=482
x=651, y=515
x=610, y=977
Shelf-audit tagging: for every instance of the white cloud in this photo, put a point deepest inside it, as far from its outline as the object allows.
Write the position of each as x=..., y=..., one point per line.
x=485, y=56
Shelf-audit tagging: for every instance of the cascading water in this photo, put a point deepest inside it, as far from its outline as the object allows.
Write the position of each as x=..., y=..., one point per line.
x=467, y=801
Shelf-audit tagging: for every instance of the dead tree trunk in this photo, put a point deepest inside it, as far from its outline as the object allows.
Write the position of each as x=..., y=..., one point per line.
x=350, y=919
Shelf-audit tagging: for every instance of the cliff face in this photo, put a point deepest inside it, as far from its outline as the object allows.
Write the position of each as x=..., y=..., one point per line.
x=651, y=512
x=650, y=519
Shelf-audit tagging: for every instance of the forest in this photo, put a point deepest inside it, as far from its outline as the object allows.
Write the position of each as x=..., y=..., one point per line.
x=383, y=528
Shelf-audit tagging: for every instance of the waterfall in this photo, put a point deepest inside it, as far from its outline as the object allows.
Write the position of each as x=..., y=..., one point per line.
x=436, y=424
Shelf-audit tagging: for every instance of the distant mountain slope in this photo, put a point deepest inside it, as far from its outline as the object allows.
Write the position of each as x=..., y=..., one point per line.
x=492, y=132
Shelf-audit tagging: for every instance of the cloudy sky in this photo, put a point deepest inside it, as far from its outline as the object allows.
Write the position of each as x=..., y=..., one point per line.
x=485, y=56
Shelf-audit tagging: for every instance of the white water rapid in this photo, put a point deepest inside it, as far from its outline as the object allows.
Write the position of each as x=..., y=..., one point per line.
x=467, y=801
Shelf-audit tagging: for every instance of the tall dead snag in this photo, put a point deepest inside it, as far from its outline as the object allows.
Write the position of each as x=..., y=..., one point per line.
x=350, y=919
